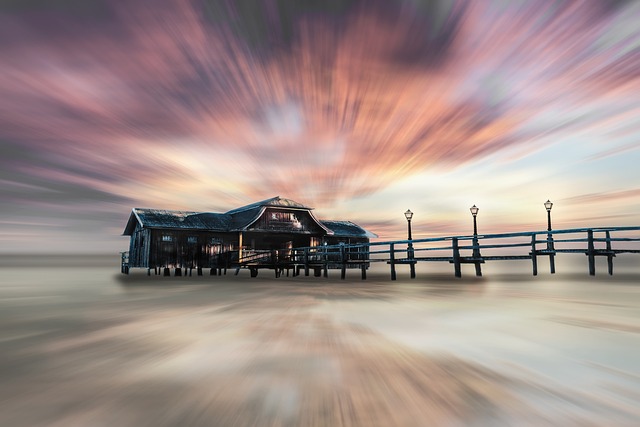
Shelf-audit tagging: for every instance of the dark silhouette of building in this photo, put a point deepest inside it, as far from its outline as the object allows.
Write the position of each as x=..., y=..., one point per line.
x=181, y=239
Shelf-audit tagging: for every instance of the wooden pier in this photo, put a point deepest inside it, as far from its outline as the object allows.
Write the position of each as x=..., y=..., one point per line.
x=456, y=250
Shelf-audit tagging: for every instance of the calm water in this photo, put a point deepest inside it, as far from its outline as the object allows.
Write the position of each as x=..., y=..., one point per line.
x=85, y=346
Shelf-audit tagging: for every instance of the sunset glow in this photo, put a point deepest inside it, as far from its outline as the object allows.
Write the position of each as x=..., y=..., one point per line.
x=361, y=109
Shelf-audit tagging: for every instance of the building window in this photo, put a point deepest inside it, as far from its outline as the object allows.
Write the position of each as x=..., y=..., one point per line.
x=167, y=238
x=192, y=239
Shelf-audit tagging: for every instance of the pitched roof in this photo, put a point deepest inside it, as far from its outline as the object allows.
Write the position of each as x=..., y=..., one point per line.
x=347, y=229
x=159, y=218
x=234, y=220
x=273, y=202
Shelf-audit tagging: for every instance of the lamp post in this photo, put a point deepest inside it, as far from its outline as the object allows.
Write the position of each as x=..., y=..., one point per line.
x=552, y=264
x=408, y=215
x=476, y=246
x=548, y=205
x=474, y=211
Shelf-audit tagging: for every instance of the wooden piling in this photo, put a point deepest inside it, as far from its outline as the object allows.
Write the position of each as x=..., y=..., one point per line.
x=178, y=272
x=306, y=261
x=476, y=255
x=456, y=257
x=552, y=255
x=412, y=265
x=199, y=271
x=167, y=272
x=610, y=253
x=534, y=255
x=343, y=256
x=392, y=260
x=591, y=253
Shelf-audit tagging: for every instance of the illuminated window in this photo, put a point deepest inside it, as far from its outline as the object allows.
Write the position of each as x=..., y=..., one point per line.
x=167, y=238
x=192, y=239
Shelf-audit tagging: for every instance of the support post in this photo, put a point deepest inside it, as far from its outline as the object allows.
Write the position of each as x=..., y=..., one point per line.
x=392, y=260
x=476, y=254
x=343, y=256
x=274, y=262
x=306, y=261
x=167, y=272
x=178, y=272
x=412, y=266
x=148, y=272
x=534, y=255
x=552, y=255
x=326, y=263
x=199, y=271
x=610, y=254
x=456, y=257
x=591, y=253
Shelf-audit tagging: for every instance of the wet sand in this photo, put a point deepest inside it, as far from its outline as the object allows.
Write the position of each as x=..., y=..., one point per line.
x=90, y=347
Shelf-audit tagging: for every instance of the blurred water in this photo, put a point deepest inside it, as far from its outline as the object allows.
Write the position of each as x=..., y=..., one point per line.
x=86, y=346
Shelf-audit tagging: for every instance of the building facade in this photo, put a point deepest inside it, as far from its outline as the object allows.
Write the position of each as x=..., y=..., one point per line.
x=182, y=239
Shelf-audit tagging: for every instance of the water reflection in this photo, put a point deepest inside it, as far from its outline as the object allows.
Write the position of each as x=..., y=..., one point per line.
x=85, y=346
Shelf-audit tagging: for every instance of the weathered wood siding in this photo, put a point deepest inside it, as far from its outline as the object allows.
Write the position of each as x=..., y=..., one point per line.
x=139, y=246
x=190, y=248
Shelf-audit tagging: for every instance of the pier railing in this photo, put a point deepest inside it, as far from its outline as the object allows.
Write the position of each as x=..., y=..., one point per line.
x=470, y=249
x=478, y=249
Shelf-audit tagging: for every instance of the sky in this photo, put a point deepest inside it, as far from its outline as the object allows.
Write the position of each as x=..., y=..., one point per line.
x=360, y=108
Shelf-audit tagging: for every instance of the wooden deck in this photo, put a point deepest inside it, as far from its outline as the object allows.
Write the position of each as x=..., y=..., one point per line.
x=456, y=250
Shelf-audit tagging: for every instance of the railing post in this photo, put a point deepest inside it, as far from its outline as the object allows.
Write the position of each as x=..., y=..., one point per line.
x=274, y=261
x=326, y=263
x=392, y=260
x=456, y=257
x=591, y=253
x=552, y=255
x=306, y=261
x=363, y=266
x=610, y=254
x=294, y=261
x=343, y=256
x=534, y=255
x=476, y=255
x=410, y=255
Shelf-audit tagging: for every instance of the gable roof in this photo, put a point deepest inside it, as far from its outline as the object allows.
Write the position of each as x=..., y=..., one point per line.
x=160, y=218
x=234, y=220
x=273, y=202
x=347, y=229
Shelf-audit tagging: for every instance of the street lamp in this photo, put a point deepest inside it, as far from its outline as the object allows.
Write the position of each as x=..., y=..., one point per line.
x=552, y=264
x=548, y=205
x=474, y=211
x=408, y=215
x=476, y=245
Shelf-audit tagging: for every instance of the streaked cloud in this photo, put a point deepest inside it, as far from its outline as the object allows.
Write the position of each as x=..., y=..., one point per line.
x=208, y=105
